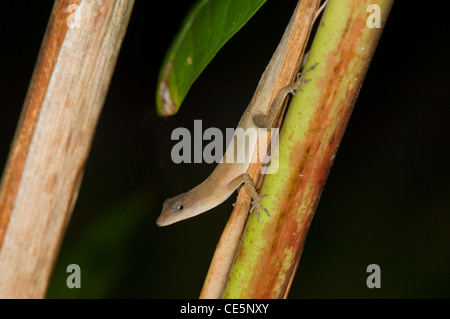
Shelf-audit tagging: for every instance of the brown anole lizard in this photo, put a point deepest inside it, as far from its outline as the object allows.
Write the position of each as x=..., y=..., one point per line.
x=228, y=176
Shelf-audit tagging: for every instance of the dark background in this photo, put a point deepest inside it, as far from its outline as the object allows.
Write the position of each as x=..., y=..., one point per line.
x=387, y=199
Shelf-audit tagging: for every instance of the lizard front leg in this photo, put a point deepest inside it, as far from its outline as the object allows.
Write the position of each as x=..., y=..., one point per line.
x=257, y=199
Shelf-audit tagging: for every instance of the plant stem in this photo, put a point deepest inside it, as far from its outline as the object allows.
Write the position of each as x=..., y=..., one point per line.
x=53, y=138
x=281, y=71
x=270, y=250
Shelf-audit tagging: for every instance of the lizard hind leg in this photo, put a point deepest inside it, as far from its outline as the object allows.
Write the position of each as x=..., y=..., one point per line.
x=260, y=120
x=275, y=110
x=296, y=86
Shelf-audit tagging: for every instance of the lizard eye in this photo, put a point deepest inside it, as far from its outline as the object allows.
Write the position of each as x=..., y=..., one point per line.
x=180, y=208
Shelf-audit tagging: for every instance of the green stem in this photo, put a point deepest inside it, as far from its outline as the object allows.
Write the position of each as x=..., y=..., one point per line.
x=270, y=249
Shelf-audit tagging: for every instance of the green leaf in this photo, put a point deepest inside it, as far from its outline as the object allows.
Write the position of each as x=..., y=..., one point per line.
x=207, y=27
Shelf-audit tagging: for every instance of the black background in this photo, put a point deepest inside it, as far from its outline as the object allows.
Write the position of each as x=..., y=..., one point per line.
x=386, y=200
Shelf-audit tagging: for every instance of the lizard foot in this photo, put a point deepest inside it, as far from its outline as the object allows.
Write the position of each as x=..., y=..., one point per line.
x=258, y=204
x=300, y=80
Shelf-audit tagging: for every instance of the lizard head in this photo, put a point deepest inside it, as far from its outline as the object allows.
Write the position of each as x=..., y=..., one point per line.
x=190, y=204
x=177, y=208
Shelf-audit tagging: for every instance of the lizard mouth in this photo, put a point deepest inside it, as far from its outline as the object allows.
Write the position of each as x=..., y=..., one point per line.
x=164, y=218
x=160, y=222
